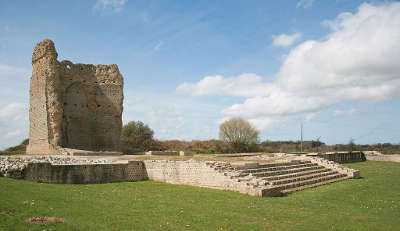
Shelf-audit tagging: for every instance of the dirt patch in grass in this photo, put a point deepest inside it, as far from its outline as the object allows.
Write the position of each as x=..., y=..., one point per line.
x=6, y=213
x=44, y=220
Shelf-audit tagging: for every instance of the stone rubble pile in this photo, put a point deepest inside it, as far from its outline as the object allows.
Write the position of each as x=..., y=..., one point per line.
x=14, y=166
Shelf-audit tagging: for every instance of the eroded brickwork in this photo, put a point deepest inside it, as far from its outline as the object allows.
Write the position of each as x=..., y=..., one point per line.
x=75, y=106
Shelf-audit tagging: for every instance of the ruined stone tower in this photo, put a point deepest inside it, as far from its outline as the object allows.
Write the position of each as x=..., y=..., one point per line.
x=76, y=106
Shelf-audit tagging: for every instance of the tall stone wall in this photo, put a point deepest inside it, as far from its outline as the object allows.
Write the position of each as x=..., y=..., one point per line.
x=76, y=106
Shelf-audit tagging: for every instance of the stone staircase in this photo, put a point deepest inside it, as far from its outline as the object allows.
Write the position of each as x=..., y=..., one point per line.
x=276, y=179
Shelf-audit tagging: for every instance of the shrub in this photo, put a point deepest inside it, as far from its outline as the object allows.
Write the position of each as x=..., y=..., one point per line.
x=136, y=137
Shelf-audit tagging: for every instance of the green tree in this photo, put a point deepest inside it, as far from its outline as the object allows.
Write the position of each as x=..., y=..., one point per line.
x=136, y=137
x=240, y=134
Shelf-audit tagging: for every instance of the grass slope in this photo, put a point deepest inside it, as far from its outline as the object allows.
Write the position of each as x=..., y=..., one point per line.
x=370, y=203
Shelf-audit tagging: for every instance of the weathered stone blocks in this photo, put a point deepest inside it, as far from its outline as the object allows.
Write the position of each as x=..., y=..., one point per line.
x=76, y=106
x=85, y=173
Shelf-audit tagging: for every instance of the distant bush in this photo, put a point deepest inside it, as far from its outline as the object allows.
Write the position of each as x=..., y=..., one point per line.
x=195, y=146
x=318, y=146
x=136, y=137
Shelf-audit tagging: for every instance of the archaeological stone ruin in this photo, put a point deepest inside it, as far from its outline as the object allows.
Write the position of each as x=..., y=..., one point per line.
x=75, y=125
x=73, y=106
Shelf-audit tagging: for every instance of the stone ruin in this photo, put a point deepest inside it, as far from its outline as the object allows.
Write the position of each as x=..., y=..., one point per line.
x=73, y=106
x=77, y=108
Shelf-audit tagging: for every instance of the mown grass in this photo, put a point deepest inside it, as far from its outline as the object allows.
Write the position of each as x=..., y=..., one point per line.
x=370, y=203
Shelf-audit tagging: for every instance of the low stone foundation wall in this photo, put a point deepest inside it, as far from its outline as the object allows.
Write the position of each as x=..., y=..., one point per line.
x=334, y=166
x=392, y=158
x=253, y=178
x=169, y=153
x=196, y=173
x=343, y=157
x=85, y=173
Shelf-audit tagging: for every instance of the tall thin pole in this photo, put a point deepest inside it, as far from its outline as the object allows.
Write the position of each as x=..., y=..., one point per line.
x=301, y=135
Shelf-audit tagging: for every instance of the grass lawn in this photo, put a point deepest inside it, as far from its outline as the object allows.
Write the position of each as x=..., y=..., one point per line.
x=370, y=203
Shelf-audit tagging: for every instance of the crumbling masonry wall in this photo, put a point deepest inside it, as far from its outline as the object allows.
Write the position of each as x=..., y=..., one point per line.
x=85, y=173
x=76, y=106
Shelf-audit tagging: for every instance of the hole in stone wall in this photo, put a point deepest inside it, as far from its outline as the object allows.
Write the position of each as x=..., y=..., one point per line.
x=68, y=66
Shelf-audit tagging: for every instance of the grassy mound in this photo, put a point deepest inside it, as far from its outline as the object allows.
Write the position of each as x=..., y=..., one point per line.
x=16, y=150
x=370, y=203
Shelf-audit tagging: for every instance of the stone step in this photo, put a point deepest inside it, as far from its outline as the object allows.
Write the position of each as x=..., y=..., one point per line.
x=286, y=191
x=243, y=179
x=302, y=178
x=310, y=181
x=290, y=175
x=287, y=171
x=283, y=167
x=294, y=162
x=267, y=165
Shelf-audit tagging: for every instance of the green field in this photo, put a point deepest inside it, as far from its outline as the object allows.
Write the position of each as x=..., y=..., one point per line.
x=370, y=203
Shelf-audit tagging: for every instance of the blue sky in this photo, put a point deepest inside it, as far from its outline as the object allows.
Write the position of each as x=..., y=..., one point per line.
x=190, y=65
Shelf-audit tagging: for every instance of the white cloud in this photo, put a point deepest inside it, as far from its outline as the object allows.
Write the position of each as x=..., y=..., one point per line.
x=244, y=85
x=285, y=40
x=262, y=123
x=8, y=72
x=171, y=116
x=14, y=82
x=158, y=46
x=167, y=120
x=13, y=124
x=356, y=61
x=113, y=5
x=309, y=117
x=13, y=112
x=304, y=3
x=344, y=112
x=15, y=133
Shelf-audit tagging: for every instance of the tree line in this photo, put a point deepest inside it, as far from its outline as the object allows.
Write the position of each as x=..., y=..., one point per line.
x=235, y=135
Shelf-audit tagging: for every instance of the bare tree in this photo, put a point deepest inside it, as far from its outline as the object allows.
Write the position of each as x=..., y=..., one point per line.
x=239, y=133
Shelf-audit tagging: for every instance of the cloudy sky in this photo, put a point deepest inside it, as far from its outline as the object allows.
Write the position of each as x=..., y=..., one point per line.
x=189, y=65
